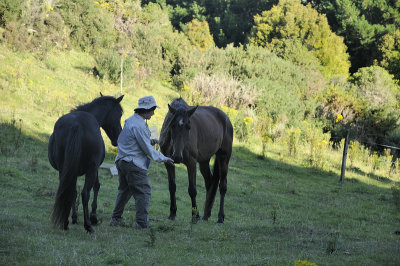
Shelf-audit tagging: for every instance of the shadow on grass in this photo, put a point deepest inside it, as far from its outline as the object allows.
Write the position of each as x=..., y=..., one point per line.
x=267, y=200
x=14, y=143
x=370, y=175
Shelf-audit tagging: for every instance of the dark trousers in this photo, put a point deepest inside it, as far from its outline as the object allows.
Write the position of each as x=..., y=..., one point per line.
x=133, y=181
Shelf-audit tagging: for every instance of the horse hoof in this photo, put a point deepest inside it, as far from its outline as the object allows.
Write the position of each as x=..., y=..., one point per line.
x=74, y=221
x=220, y=221
x=89, y=229
x=172, y=218
x=205, y=218
x=195, y=219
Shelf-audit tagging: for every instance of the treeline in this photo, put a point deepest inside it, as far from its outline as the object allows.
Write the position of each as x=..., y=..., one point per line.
x=271, y=65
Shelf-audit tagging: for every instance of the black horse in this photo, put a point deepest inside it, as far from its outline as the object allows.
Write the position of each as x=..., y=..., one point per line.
x=195, y=134
x=76, y=147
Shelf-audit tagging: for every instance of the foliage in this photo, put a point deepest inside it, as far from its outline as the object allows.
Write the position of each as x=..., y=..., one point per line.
x=243, y=125
x=362, y=23
x=287, y=94
x=10, y=10
x=91, y=26
x=37, y=28
x=293, y=139
x=199, y=35
x=390, y=49
x=108, y=65
x=291, y=22
x=369, y=106
x=376, y=87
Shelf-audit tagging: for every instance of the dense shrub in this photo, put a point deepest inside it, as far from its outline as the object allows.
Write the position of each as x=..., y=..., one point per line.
x=377, y=87
x=199, y=35
x=290, y=21
x=288, y=93
x=368, y=105
x=39, y=29
x=108, y=64
x=10, y=11
x=390, y=49
x=91, y=26
x=17, y=36
x=158, y=48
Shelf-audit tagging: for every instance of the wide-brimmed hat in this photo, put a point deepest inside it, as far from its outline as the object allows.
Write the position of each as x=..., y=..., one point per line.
x=146, y=102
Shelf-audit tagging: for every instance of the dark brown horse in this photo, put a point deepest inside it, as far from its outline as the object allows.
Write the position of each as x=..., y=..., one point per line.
x=195, y=134
x=76, y=147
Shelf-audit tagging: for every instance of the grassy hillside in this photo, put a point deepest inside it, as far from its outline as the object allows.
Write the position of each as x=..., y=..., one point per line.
x=278, y=208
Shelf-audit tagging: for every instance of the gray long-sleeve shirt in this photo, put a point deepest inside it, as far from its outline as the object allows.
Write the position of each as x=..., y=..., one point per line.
x=134, y=143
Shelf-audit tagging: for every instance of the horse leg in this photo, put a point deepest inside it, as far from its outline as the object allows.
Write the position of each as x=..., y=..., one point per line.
x=191, y=169
x=210, y=188
x=172, y=190
x=90, y=179
x=96, y=188
x=222, y=162
x=74, y=209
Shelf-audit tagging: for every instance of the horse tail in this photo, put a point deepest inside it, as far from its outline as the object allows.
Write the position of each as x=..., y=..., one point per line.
x=68, y=176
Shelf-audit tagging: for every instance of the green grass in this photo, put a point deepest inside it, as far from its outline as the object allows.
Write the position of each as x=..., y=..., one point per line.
x=278, y=209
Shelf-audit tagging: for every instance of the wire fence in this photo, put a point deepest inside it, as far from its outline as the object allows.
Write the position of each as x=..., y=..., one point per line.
x=394, y=152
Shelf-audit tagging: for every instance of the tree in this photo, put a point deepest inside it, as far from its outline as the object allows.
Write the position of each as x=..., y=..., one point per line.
x=376, y=87
x=390, y=49
x=363, y=24
x=290, y=22
x=199, y=35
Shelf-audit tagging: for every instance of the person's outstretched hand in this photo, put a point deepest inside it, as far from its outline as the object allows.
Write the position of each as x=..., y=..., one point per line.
x=169, y=161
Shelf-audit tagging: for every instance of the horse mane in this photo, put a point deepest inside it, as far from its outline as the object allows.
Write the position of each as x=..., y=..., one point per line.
x=177, y=104
x=98, y=101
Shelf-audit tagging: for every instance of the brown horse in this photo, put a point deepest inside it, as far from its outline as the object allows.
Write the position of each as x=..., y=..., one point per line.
x=195, y=134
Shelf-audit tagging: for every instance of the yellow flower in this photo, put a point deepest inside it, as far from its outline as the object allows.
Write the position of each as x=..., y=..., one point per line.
x=185, y=88
x=339, y=118
x=304, y=263
x=248, y=120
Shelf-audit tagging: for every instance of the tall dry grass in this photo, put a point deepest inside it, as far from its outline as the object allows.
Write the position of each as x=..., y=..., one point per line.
x=222, y=90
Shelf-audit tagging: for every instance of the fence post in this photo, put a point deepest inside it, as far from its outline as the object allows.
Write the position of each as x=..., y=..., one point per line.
x=122, y=70
x=346, y=145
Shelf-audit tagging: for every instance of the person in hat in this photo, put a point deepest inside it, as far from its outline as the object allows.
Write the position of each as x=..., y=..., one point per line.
x=134, y=153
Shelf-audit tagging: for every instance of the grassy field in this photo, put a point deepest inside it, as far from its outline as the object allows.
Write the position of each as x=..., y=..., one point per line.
x=278, y=209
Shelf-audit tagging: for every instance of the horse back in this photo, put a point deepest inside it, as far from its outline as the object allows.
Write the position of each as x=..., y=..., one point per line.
x=90, y=140
x=211, y=131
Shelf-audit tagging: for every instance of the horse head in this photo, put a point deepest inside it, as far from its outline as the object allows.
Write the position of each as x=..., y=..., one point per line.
x=112, y=121
x=179, y=129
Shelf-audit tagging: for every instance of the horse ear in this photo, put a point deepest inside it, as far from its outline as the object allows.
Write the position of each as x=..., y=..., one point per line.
x=101, y=94
x=171, y=109
x=191, y=111
x=120, y=98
